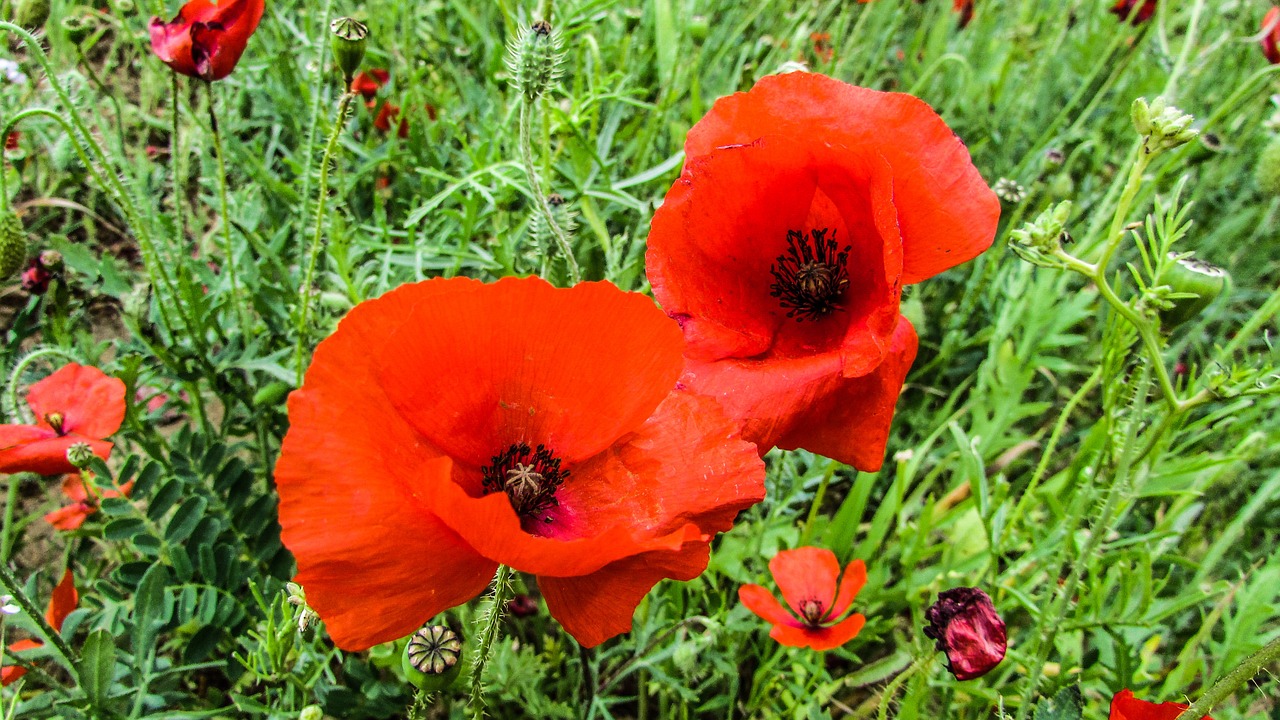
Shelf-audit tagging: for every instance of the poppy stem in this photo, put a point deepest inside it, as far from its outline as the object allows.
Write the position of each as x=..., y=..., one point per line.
x=490, y=621
x=539, y=197
x=891, y=690
x=1234, y=680
x=6, y=532
x=47, y=632
x=814, y=509
x=313, y=252
x=225, y=215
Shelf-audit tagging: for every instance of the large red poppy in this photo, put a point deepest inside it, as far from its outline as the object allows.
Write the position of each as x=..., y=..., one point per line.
x=452, y=425
x=63, y=600
x=76, y=404
x=1124, y=706
x=207, y=37
x=804, y=206
x=810, y=582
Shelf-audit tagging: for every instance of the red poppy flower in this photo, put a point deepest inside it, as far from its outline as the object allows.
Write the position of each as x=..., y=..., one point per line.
x=1124, y=706
x=207, y=37
x=966, y=626
x=76, y=404
x=368, y=83
x=822, y=46
x=386, y=116
x=71, y=517
x=965, y=8
x=804, y=206
x=452, y=425
x=1124, y=9
x=807, y=578
x=1271, y=35
x=63, y=600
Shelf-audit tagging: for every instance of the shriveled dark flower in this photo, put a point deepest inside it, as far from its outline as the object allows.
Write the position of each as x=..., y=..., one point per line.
x=968, y=629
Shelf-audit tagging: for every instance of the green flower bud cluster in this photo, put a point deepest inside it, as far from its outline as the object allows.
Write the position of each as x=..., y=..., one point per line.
x=13, y=244
x=534, y=60
x=1039, y=242
x=1162, y=126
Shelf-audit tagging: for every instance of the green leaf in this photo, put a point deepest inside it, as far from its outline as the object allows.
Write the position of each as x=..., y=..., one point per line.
x=123, y=529
x=1066, y=705
x=150, y=610
x=185, y=519
x=97, y=667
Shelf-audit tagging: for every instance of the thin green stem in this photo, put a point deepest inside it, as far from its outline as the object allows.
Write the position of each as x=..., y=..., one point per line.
x=1189, y=42
x=102, y=88
x=6, y=531
x=47, y=632
x=540, y=197
x=490, y=623
x=175, y=162
x=1234, y=680
x=815, y=508
x=228, y=247
x=891, y=690
x=313, y=252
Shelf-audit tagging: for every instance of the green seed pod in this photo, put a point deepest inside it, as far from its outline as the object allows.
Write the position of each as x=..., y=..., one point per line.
x=699, y=27
x=13, y=244
x=271, y=394
x=432, y=658
x=31, y=14
x=348, y=45
x=77, y=28
x=1267, y=172
x=80, y=454
x=1196, y=277
x=534, y=60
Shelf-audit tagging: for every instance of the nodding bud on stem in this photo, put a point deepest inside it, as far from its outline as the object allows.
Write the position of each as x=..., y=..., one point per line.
x=534, y=60
x=431, y=659
x=348, y=45
x=13, y=243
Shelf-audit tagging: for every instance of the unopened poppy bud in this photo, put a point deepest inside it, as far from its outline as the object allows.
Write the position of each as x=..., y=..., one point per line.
x=31, y=14
x=1197, y=281
x=348, y=45
x=968, y=629
x=431, y=659
x=77, y=28
x=534, y=60
x=13, y=243
x=1267, y=173
x=80, y=454
x=698, y=27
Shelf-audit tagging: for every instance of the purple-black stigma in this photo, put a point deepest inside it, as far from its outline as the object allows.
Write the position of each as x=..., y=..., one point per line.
x=811, y=276
x=529, y=476
x=812, y=612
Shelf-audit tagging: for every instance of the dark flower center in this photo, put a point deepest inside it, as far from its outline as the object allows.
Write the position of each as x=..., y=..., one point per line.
x=529, y=477
x=811, y=611
x=811, y=276
x=55, y=421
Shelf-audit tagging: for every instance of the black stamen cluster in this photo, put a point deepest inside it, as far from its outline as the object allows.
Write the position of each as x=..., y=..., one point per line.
x=811, y=276
x=537, y=462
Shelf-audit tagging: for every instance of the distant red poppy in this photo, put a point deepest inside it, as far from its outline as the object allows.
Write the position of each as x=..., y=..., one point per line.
x=83, y=505
x=386, y=116
x=965, y=8
x=807, y=578
x=12, y=140
x=822, y=46
x=75, y=404
x=1271, y=35
x=63, y=600
x=804, y=206
x=1124, y=9
x=368, y=83
x=207, y=37
x=1124, y=706
x=451, y=425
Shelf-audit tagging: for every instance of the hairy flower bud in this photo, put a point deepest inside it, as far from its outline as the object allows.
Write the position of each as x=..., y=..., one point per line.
x=1162, y=126
x=31, y=14
x=1195, y=284
x=13, y=243
x=534, y=60
x=431, y=659
x=348, y=37
x=968, y=629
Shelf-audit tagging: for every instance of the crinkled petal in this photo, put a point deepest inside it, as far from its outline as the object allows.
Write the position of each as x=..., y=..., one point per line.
x=806, y=574
x=820, y=638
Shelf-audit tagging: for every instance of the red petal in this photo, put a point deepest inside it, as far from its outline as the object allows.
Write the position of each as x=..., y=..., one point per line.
x=520, y=360
x=593, y=608
x=70, y=517
x=806, y=574
x=824, y=638
x=10, y=673
x=1124, y=706
x=47, y=456
x=720, y=230
x=73, y=487
x=63, y=601
x=207, y=38
x=855, y=577
x=947, y=212
x=762, y=602
x=90, y=401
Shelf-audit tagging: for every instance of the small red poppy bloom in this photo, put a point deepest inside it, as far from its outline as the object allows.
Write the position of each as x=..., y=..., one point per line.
x=451, y=425
x=386, y=116
x=822, y=46
x=965, y=8
x=1124, y=706
x=63, y=600
x=207, y=37
x=73, y=405
x=807, y=578
x=804, y=206
x=1271, y=35
x=71, y=517
x=368, y=83
x=1124, y=9
x=966, y=626
x=36, y=278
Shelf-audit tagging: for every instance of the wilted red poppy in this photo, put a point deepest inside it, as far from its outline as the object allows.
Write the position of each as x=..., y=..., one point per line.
x=76, y=404
x=1124, y=706
x=966, y=626
x=82, y=505
x=804, y=206
x=207, y=37
x=807, y=578
x=452, y=425
x=1271, y=35
x=368, y=83
x=63, y=600
x=1124, y=9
